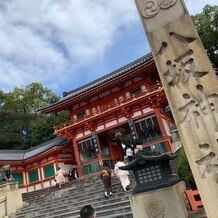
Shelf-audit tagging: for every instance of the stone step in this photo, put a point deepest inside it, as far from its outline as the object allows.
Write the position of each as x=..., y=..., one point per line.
x=67, y=201
x=92, y=182
x=101, y=212
x=63, y=203
x=31, y=197
x=67, y=194
x=106, y=208
x=118, y=215
x=73, y=191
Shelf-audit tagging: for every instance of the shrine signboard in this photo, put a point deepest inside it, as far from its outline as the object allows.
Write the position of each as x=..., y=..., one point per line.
x=191, y=88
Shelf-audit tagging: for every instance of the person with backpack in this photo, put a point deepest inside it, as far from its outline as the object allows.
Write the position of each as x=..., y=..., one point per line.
x=106, y=178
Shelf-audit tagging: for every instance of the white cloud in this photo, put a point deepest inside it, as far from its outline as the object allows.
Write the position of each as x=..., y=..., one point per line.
x=41, y=40
x=47, y=40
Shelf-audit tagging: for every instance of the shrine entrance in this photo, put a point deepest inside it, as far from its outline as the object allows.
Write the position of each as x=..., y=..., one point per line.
x=112, y=143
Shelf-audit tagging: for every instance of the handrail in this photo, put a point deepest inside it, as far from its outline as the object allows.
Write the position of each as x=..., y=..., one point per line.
x=195, y=204
x=116, y=103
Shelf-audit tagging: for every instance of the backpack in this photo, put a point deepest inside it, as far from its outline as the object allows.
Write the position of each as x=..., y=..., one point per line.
x=104, y=173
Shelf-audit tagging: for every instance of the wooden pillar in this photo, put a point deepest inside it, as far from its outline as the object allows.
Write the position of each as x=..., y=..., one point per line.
x=25, y=178
x=56, y=161
x=165, y=137
x=41, y=175
x=191, y=88
x=77, y=157
x=110, y=150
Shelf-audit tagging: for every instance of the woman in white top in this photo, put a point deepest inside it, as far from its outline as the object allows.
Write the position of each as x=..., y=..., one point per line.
x=59, y=177
x=122, y=175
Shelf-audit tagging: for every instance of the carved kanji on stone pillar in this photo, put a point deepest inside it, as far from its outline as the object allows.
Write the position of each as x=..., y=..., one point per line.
x=191, y=88
x=208, y=162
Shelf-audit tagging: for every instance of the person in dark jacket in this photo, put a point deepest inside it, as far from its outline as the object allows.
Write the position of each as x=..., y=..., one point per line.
x=106, y=178
x=72, y=174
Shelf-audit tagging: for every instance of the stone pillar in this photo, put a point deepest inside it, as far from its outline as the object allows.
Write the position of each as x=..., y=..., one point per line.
x=191, y=88
x=165, y=202
x=13, y=197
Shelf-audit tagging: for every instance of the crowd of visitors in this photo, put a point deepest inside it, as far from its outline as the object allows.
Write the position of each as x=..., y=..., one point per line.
x=106, y=174
x=60, y=179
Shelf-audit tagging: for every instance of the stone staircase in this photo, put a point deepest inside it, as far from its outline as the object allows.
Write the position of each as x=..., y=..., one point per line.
x=67, y=201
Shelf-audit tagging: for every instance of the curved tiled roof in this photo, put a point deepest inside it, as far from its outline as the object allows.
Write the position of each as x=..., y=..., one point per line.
x=20, y=155
x=100, y=81
x=107, y=77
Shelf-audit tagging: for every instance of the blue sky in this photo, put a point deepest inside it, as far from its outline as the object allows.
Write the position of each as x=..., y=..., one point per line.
x=64, y=44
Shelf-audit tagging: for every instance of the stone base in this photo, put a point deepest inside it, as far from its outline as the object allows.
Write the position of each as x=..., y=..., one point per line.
x=13, y=197
x=3, y=209
x=161, y=203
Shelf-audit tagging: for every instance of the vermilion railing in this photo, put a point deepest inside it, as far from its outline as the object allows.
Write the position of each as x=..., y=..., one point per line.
x=116, y=103
x=195, y=204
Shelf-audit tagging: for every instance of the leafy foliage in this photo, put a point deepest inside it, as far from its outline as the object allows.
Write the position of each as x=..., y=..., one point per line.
x=21, y=126
x=206, y=24
x=126, y=139
x=183, y=169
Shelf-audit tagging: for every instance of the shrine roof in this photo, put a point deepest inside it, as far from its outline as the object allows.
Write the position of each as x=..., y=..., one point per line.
x=142, y=159
x=102, y=80
x=107, y=77
x=20, y=155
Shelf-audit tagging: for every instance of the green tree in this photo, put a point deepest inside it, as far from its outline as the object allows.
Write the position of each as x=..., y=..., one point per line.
x=183, y=169
x=42, y=128
x=21, y=125
x=206, y=24
x=27, y=100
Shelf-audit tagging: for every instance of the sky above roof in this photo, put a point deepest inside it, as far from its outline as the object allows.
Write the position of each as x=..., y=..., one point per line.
x=66, y=44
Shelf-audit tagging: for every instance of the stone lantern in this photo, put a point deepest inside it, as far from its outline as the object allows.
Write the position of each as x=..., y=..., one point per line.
x=151, y=172
x=158, y=193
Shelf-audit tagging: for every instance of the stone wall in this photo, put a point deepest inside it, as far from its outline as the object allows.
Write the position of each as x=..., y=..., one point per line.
x=10, y=198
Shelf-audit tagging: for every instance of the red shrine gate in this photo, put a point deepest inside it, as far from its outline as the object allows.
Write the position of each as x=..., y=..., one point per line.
x=128, y=102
